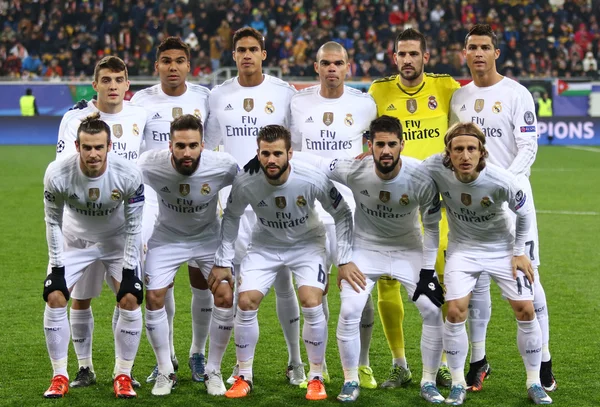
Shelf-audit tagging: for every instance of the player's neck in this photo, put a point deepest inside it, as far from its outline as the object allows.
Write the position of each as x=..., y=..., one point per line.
x=332, y=93
x=251, y=80
x=412, y=83
x=486, y=79
x=109, y=108
x=466, y=178
x=178, y=91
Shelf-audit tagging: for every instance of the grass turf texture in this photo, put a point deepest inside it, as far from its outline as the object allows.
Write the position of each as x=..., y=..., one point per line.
x=563, y=180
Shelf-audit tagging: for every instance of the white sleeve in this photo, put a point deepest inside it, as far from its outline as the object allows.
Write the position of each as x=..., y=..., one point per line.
x=430, y=207
x=336, y=169
x=287, y=121
x=134, y=207
x=521, y=205
x=67, y=135
x=332, y=201
x=212, y=130
x=453, y=116
x=53, y=216
x=296, y=135
x=525, y=133
x=236, y=204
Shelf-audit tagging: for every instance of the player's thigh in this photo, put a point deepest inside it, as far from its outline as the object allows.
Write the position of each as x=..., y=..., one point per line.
x=500, y=270
x=373, y=264
x=440, y=259
x=163, y=261
x=78, y=255
x=91, y=282
x=307, y=264
x=460, y=274
x=352, y=302
x=204, y=256
x=258, y=270
x=330, y=246
x=406, y=266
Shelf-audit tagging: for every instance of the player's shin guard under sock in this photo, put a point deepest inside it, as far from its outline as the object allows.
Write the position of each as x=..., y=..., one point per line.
x=246, y=337
x=127, y=335
x=391, y=312
x=57, y=332
x=541, y=312
x=313, y=335
x=220, y=333
x=82, y=329
x=288, y=313
x=366, y=331
x=157, y=330
x=456, y=346
x=170, y=309
x=480, y=311
x=431, y=338
x=529, y=341
x=202, y=307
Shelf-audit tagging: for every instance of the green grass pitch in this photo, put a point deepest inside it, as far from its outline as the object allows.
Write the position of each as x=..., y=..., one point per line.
x=567, y=194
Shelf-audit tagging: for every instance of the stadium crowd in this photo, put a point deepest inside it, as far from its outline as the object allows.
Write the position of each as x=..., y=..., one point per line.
x=57, y=38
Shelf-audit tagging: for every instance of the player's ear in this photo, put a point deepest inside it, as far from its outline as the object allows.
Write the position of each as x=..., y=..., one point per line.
x=171, y=146
x=109, y=146
x=77, y=145
x=290, y=153
x=264, y=54
x=496, y=53
x=426, y=56
x=316, y=65
x=370, y=145
x=401, y=146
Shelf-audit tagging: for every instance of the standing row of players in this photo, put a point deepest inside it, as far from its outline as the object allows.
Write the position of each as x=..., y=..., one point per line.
x=327, y=120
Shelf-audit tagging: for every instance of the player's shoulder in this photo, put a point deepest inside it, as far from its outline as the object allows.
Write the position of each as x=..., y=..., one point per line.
x=151, y=157
x=59, y=168
x=415, y=170
x=197, y=89
x=223, y=87
x=385, y=81
x=310, y=174
x=146, y=93
x=514, y=88
x=357, y=94
x=441, y=80
x=499, y=176
x=274, y=81
x=131, y=108
x=306, y=93
x=122, y=166
x=79, y=114
x=434, y=162
x=219, y=159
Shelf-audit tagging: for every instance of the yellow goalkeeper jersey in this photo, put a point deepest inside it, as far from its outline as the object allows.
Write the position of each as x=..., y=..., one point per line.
x=423, y=110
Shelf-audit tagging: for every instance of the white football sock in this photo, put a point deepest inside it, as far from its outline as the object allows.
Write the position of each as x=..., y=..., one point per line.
x=82, y=329
x=246, y=337
x=431, y=338
x=157, y=330
x=366, y=331
x=480, y=311
x=456, y=346
x=288, y=312
x=58, y=334
x=170, y=309
x=313, y=334
x=202, y=307
x=220, y=333
x=127, y=335
x=541, y=312
x=529, y=341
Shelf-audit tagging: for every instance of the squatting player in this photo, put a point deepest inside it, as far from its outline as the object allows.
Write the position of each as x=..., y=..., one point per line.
x=288, y=235
x=329, y=120
x=102, y=196
x=505, y=111
x=127, y=123
x=480, y=241
x=421, y=101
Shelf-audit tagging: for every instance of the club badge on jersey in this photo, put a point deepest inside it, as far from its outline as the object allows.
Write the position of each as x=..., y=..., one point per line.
x=117, y=130
x=328, y=118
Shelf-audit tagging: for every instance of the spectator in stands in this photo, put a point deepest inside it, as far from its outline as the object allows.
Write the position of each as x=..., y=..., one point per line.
x=28, y=105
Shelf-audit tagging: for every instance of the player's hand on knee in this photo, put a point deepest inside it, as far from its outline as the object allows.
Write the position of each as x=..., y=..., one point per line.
x=217, y=275
x=522, y=263
x=352, y=275
x=430, y=286
x=131, y=284
x=55, y=281
x=82, y=104
x=252, y=166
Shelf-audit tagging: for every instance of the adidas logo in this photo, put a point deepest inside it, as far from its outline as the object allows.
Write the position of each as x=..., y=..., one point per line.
x=73, y=196
x=262, y=204
x=165, y=189
x=228, y=107
x=391, y=107
x=156, y=116
x=365, y=193
x=463, y=108
x=309, y=120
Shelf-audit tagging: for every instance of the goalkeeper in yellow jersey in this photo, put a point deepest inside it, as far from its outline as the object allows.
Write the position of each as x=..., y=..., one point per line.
x=421, y=101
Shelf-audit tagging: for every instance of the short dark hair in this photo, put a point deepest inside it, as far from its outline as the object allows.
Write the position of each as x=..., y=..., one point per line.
x=249, y=32
x=464, y=129
x=386, y=124
x=94, y=125
x=186, y=122
x=483, y=30
x=172, y=43
x=115, y=64
x=29, y=91
x=411, y=34
x=274, y=132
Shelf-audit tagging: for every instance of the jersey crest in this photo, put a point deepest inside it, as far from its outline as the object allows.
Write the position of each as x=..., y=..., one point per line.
x=479, y=103
x=94, y=194
x=115, y=195
x=280, y=202
x=136, y=129
x=411, y=105
x=348, y=121
x=465, y=199
x=184, y=189
x=485, y=202
x=301, y=201
x=176, y=112
x=404, y=200
x=269, y=108
x=384, y=196
x=248, y=104
x=432, y=104
x=117, y=130
x=205, y=189
x=497, y=108
x=328, y=118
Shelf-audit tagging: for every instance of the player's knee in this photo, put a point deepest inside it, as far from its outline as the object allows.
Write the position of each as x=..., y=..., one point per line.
x=223, y=296
x=456, y=313
x=154, y=300
x=311, y=301
x=524, y=311
x=128, y=302
x=81, y=304
x=56, y=299
x=431, y=314
x=247, y=303
x=348, y=328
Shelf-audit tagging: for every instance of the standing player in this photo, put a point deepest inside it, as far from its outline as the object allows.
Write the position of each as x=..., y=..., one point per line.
x=166, y=101
x=188, y=181
x=102, y=197
x=389, y=192
x=329, y=120
x=288, y=235
x=421, y=101
x=505, y=112
x=481, y=241
x=238, y=109
x=127, y=128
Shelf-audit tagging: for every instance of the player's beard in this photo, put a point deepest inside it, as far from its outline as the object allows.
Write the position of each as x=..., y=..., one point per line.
x=412, y=76
x=186, y=170
x=386, y=169
x=276, y=176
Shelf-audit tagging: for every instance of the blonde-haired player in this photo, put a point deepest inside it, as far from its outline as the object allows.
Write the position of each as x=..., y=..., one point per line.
x=421, y=101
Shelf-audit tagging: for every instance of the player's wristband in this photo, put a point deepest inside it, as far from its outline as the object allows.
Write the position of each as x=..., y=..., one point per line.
x=59, y=271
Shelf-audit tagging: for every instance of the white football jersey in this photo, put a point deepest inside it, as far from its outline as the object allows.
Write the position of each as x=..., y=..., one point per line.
x=285, y=214
x=187, y=204
x=477, y=220
x=126, y=128
x=505, y=112
x=238, y=112
x=163, y=109
x=97, y=208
